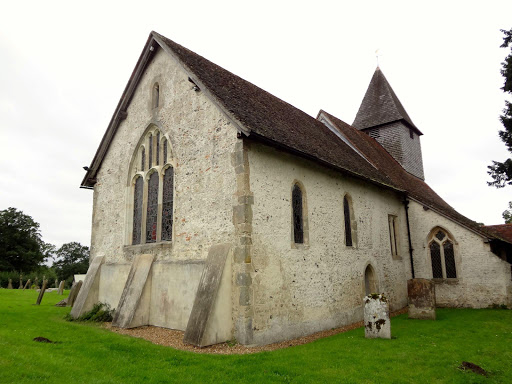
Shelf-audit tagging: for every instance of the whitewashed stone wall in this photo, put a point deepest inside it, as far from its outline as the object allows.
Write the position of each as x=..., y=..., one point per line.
x=203, y=142
x=482, y=277
x=299, y=290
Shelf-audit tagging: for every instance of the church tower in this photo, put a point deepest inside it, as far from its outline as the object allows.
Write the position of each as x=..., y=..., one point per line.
x=382, y=116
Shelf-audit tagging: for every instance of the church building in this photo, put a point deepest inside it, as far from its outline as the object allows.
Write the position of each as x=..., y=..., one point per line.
x=223, y=211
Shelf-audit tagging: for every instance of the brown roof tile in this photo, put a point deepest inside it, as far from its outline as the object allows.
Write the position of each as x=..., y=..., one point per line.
x=503, y=230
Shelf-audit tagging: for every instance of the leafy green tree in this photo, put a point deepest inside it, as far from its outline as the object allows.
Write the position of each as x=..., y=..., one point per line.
x=72, y=259
x=501, y=173
x=507, y=214
x=20, y=242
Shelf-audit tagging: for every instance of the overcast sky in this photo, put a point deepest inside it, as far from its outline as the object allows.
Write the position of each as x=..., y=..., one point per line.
x=64, y=67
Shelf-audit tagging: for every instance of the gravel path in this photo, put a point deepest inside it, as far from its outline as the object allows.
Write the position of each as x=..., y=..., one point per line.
x=173, y=338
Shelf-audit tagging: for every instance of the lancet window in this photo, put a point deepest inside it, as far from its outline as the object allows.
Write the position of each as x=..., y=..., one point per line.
x=297, y=213
x=152, y=190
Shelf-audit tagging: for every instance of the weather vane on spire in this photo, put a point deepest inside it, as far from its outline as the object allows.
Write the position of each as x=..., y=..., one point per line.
x=377, y=55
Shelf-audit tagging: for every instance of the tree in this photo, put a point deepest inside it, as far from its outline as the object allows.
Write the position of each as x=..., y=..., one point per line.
x=501, y=173
x=20, y=242
x=507, y=214
x=72, y=259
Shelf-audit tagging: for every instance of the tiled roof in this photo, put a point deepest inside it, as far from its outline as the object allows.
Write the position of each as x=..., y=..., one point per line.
x=401, y=179
x=271, y=118
x=503, y=230
x=380, y=105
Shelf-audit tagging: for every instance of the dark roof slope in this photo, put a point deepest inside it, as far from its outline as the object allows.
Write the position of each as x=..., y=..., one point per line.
x=269, y=117
x=416, y=188
x=380, y=105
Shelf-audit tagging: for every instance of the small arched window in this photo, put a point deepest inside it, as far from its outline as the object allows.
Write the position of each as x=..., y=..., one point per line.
x=442, y=255
x=167, y=204
x=348, y=226
x=156, y=96
x=297, y=213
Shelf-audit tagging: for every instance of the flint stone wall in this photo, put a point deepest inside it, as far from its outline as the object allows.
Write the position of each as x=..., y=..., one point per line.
x=301, y=289
x=482, y=277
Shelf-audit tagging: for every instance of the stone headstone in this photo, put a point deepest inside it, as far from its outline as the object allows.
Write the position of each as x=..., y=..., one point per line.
x=61, y=288
x=41, y=292
x=36, y=286
x=74, y=293
x=56, y=283
x=21, y=283
x=9, y=286
x=376, y=317
x=422, y=299
x=27, y=284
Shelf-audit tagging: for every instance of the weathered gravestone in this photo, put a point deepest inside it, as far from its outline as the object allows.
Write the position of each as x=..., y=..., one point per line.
x=422, y=299
x=74, y=293
x=21, y=283
x=36, y=286
x=376, y=317
x=61, y=288
x=56, y=283
x=27, y=284
x=41, y=292
x=9, y=286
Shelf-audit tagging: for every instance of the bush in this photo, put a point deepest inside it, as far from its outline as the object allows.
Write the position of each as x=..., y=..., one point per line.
x=100, y=312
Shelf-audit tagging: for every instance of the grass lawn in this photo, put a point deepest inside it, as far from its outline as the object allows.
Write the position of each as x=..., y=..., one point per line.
x=420, y=352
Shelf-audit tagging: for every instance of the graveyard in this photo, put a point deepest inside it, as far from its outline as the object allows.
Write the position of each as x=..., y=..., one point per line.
x=419, y=351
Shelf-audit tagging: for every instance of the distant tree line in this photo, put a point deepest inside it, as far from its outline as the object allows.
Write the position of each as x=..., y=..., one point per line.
x=24, y=253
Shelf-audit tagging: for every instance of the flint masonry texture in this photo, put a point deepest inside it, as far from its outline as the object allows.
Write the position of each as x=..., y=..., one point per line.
x=422, y=299
x=376, y=317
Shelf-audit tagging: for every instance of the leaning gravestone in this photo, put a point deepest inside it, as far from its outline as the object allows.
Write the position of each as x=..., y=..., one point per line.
x=61, y=288
x=27, y=284
x=74, y=293
x=422, y=299
x=376, y=317
x=41, y=292
x=9, y=286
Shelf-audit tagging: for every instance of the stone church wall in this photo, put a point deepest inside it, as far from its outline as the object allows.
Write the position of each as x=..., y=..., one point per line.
x=301, y=289
x=482, y=277
x=203, y=142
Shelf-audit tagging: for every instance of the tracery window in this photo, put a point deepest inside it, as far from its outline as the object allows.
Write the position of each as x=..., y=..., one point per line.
x=442, y=255
x=152, y=190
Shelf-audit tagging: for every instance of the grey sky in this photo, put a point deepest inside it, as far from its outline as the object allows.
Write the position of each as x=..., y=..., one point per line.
x=64, y=67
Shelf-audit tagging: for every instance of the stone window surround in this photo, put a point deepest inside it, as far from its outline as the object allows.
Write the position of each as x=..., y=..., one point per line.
x=430, y=238
x=305, y=220
x=353, y=221
x=136, y=172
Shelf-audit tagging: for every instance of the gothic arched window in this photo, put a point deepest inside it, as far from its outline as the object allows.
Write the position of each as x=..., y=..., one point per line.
x=152, y=190
x=442, y=255
x=297, y=213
